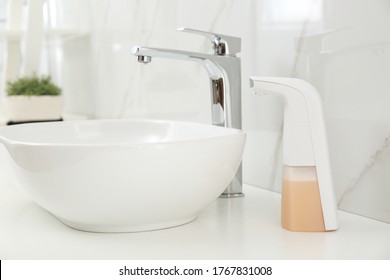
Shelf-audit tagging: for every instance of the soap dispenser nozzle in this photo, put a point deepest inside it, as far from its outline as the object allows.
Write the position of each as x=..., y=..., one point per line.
x=308, y=200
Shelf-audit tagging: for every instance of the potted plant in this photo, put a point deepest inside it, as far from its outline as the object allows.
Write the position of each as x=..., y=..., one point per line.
x=31, y=99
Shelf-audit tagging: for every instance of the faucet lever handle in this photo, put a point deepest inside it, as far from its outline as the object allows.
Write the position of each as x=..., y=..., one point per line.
x=222, y=44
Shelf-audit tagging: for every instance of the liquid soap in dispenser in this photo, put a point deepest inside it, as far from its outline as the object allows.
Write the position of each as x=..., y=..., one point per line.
x=308, y=200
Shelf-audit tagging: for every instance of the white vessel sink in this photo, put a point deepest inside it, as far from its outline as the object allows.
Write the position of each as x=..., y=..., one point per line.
x=123, y=175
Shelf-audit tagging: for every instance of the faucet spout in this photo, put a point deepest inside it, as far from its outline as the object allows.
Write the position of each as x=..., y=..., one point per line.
x=224, y=71
x=225, y=80
x=144, y=59
x=205, y=59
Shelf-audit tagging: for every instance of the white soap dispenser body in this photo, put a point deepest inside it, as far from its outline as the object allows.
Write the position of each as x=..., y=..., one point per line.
x=308, y=200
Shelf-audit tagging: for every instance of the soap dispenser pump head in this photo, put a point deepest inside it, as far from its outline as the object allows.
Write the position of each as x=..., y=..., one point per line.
x=308, y=201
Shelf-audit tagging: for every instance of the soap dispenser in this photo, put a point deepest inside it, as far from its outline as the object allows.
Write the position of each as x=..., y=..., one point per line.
x=308, y=200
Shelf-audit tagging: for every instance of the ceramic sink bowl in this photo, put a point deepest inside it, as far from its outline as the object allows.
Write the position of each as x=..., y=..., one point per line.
x=123, y=175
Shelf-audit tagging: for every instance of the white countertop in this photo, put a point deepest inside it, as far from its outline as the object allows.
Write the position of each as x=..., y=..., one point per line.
x=239, y=228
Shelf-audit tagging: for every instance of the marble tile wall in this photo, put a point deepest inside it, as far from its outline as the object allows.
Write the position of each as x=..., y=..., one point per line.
x=341, y=46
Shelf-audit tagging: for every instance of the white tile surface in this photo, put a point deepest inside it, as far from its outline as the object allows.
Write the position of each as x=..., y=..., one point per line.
x=242, y=228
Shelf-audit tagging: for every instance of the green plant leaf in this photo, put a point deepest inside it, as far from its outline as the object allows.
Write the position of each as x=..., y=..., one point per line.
x=32, y=85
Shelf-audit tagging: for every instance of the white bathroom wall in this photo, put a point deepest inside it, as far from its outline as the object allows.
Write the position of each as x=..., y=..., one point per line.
x=351, y=67
x=341, y=46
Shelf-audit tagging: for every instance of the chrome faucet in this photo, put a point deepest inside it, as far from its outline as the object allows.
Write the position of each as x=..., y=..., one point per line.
x=224, y=70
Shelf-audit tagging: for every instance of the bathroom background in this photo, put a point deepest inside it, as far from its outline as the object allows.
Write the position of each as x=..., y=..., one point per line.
x=341, y=46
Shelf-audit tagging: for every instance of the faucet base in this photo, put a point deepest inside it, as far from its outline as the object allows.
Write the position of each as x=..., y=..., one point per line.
x=231, y=195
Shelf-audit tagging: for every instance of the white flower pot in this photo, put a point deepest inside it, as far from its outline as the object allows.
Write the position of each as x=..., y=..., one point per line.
x=33, y=108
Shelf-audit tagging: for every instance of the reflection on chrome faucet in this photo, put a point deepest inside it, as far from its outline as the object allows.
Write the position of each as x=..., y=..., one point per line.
x=224, y=70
